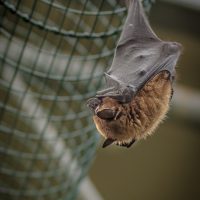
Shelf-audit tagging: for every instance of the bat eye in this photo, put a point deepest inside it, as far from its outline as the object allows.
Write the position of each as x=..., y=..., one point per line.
x=106, y=113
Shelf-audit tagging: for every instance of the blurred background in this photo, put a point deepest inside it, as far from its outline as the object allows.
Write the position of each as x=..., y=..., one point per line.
x=52, y=57
x=166, y=165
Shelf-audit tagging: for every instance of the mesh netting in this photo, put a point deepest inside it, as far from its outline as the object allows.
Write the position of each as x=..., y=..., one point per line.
x=52, y=57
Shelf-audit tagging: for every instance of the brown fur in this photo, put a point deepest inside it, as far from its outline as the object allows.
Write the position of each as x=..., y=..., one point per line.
x=141, y=116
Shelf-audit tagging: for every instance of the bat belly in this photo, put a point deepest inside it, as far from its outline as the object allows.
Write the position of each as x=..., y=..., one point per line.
x=140, y=117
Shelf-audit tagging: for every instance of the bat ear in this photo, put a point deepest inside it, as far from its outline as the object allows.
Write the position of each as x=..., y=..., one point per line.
x=107, y=142
x=106, y=113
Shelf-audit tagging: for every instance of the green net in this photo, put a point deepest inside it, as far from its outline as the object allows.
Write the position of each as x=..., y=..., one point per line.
x=52, y=57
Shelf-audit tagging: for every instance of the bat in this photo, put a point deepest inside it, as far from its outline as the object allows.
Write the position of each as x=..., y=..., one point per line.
x=139, y=83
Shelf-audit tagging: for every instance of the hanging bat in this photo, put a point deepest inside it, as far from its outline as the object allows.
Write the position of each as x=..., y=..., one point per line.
x=139, y=83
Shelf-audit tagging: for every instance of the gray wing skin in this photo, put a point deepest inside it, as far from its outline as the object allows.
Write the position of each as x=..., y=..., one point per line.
x=139, y=55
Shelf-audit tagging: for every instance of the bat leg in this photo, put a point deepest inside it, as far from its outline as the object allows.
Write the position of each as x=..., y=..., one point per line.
x=108, y=142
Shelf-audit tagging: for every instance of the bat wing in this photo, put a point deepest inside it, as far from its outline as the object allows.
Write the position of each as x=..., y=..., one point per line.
x=139, y=55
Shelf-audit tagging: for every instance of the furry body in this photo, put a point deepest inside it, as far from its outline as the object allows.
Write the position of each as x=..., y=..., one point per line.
x=140, y=117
